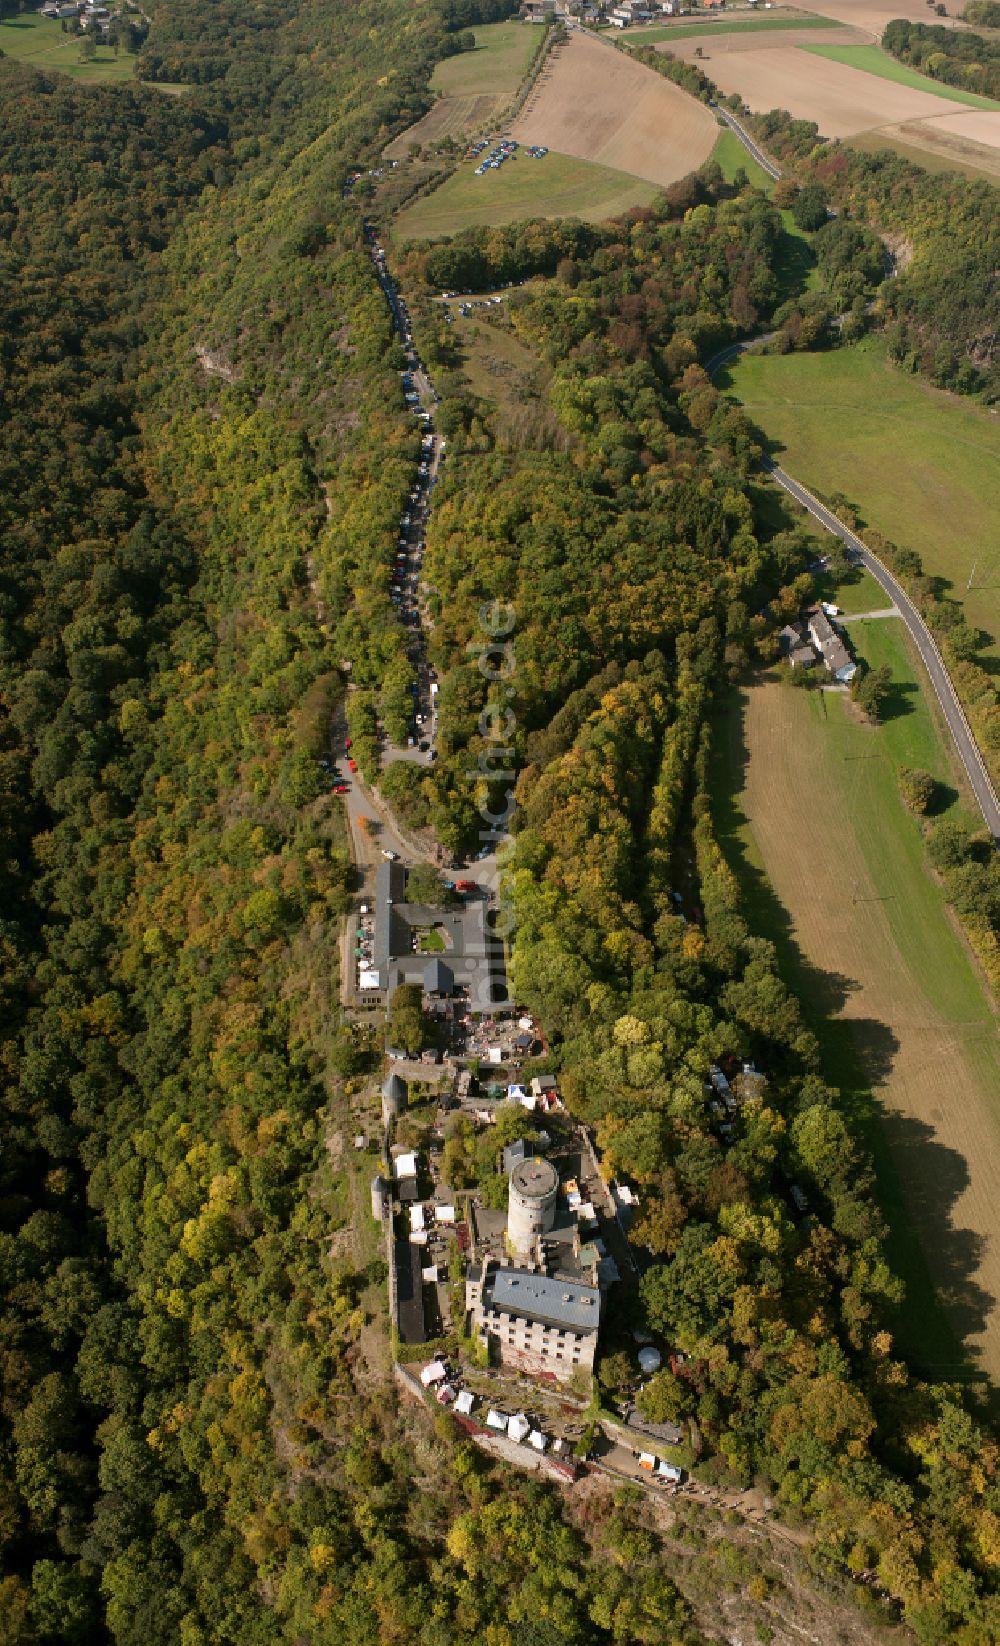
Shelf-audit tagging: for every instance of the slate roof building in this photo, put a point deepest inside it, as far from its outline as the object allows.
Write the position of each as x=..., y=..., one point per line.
x=541, y=1324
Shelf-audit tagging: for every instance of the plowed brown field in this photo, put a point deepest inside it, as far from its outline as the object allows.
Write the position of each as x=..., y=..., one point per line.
x=597, y=104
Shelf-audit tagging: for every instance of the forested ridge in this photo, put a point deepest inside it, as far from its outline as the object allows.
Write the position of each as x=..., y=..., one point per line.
x=205, y=454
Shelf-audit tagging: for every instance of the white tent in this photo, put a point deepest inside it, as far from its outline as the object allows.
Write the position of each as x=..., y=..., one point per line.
x=494, y=1054
x=496, y=1420
x=518, y=1427
x=445, y=1214
x=465, y=1402
x=404, y=1165
x=416, y=1218
x=436, y=1372
x=538, y=1440
x=429, y=1276
x=367, y=979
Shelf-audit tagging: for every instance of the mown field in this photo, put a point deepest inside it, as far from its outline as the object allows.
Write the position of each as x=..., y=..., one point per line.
x=833, y=870
x=558, y=186
x=496, y=67
x=919, y=464
x=873, y=60
x=41, y=42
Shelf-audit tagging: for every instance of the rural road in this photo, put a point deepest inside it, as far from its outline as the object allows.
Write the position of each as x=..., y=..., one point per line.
x=954, y=714
x=755, y=153
x=958, y=725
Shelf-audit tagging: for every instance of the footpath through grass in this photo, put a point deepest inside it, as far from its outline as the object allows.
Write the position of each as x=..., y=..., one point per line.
x=41, y=42
x=833, y=870
x=919, y=464
x=556, y=186
x=496, y=67
x=873, y=60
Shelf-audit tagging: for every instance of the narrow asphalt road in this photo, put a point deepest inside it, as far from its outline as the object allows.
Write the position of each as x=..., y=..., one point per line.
x=755, y=152
x=958, y=725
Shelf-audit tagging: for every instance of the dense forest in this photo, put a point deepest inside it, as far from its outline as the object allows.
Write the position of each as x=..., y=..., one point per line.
x=204, y=461
x=943, y=309
x=958, y=58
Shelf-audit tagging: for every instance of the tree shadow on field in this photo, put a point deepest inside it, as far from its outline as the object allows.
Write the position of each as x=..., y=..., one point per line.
x=901, y=699
x=919, y=1179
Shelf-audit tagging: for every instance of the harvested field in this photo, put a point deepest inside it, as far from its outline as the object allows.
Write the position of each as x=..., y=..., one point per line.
x=939, y=145
x=593, y=102
x=869, y=944
x=450, y=117
x=975, y=128
x=874, y=15
x=841, y=100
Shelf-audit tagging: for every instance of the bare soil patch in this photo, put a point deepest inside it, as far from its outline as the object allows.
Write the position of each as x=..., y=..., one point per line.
x=934, y=1072
x=968, y=129
x=450, y=117
x=874, y=15
x=840, y=99
x=597, y=104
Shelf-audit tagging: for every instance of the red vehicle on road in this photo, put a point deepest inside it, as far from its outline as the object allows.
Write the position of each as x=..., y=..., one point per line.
x=353, y=765
x=347, y=742
x=466, y=886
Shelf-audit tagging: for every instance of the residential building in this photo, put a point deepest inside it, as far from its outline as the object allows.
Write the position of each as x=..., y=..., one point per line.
x=830, y=647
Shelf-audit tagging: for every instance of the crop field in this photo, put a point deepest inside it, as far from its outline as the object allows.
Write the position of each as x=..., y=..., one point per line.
x=40, y=42
x=873, y=60
x=459, y=117
x=832, y=867
x=918, y=463
x=597, y=104
x=657, y=32
x=841, y=99
x=558, y=186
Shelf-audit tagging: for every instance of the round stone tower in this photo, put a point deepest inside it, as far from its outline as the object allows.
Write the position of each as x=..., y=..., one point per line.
x=393, y=1098
x=531, y=1205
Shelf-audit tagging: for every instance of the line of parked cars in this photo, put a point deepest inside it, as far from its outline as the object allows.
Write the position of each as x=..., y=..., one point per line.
x=505, y=150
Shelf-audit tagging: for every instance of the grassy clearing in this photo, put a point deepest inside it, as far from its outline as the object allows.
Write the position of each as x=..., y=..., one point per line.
x=730, y=154
x=40, y=42
x=725, y=25
x=558, y=186
x=833, y=871
x=513, y=381
x=918, y=463
x=496, y=67
x=873, y=60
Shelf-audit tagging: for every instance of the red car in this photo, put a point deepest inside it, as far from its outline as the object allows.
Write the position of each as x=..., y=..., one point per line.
x=353, y=766
x=466, y=886
x=341, y=788
x=347, y=742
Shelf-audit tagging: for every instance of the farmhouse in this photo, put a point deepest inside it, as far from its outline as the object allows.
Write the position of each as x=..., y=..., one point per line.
x=830, y=647
x=540, y=1324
